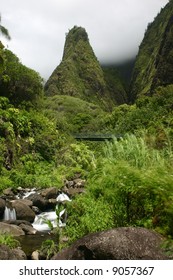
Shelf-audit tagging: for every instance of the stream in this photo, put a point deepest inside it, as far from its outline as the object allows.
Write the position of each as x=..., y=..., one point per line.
x=43, y=223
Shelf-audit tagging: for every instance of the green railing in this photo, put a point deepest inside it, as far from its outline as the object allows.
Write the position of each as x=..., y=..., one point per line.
x=96, y=137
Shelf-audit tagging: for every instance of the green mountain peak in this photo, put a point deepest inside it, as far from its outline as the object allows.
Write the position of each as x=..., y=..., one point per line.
x=80, y=73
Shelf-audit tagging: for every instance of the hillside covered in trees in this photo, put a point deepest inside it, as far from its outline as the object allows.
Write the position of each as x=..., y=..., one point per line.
x=129, y=181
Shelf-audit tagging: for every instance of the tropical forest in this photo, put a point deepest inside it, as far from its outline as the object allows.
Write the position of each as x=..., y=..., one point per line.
x=88, y=154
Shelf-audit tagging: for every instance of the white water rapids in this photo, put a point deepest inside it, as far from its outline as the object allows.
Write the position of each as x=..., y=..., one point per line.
x=41, y=222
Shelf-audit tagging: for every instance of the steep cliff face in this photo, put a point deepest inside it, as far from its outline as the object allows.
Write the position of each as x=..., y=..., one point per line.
x=80, y=74
x=154, y=62
x=116, y=84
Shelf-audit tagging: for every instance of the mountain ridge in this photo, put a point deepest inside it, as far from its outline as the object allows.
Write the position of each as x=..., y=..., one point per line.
x=80, y=74
x=150, y=69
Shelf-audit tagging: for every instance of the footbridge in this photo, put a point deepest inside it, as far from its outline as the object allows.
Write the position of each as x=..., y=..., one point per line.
x=96, y=137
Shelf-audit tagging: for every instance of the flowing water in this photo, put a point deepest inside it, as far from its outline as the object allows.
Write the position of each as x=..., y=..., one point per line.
x=46, y=220
x=42, y=223
x=9, y=214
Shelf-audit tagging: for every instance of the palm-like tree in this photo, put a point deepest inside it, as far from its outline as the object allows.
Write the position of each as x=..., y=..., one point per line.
x=4, y=31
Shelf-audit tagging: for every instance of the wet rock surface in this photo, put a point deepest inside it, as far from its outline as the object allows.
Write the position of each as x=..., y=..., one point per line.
x=23, y=211
x=39, y=201
x=18, y=211
x=2, y=207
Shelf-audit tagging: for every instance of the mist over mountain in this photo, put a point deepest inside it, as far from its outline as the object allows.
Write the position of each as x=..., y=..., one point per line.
x=100, y=133
x=81, y=75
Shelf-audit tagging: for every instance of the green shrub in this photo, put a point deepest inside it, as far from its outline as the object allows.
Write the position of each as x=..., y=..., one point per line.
x=136, y=195
x=80, y=156
x=49, y=248
x=9, y=240
x=35, y=172
x=86, y=214
x=132, y=185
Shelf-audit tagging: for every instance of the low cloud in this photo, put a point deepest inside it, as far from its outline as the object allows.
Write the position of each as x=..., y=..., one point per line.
x=115, y=28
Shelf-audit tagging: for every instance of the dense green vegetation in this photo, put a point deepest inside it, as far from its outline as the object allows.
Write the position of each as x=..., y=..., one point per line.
x=20, y=84
x=115, y=84
x=129, y=181
x=151, y=113
x=73, y=114
x=80, y=74
x=153, y=66
x=130, y=185
x=9, y=240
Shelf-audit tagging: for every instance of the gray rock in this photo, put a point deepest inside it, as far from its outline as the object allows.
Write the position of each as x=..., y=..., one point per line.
x=36, y=210
x=50, y=193
x=17, y=222
x=8, y=192
x=69, y=184
x=23, y=211
x=126, y=243
x=28, y=229
x=72, y=192
x=11, y=229
x=11, y=254
x=24, y=201
x=79, y=183
x=38, y=201
x=52, y=203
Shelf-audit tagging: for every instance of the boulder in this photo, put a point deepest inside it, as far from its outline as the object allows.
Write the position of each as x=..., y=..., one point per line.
x=126, y=243
x=69, y=184
x=36, y=210
x=79, y=183
x=38, y=201
x=35, y=256
x=50, y=193
x=23, y=211
x=74, y=187
x=17, y=222
x=52, y=203
x=28, y=229
x=2, y=207
x=11, y=229
x=76, y=183
x=72, y=192
x=11, y=254
x=26, y=202
x=8, y=192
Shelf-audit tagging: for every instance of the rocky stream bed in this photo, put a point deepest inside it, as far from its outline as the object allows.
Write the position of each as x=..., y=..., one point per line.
x=26, y=214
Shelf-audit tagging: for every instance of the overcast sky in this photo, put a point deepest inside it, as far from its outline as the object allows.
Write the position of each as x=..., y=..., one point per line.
x=37, y=27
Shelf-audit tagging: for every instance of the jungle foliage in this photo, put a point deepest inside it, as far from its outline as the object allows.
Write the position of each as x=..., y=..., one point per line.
x=153, y=65
x=81, y=75
x=130, y=180
x=131, y=185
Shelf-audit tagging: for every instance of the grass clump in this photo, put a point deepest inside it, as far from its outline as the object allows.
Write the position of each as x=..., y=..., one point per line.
x=9, y=240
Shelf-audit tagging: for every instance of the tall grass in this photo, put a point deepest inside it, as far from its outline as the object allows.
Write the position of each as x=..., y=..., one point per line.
x=132, y=185
x=136, y=152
